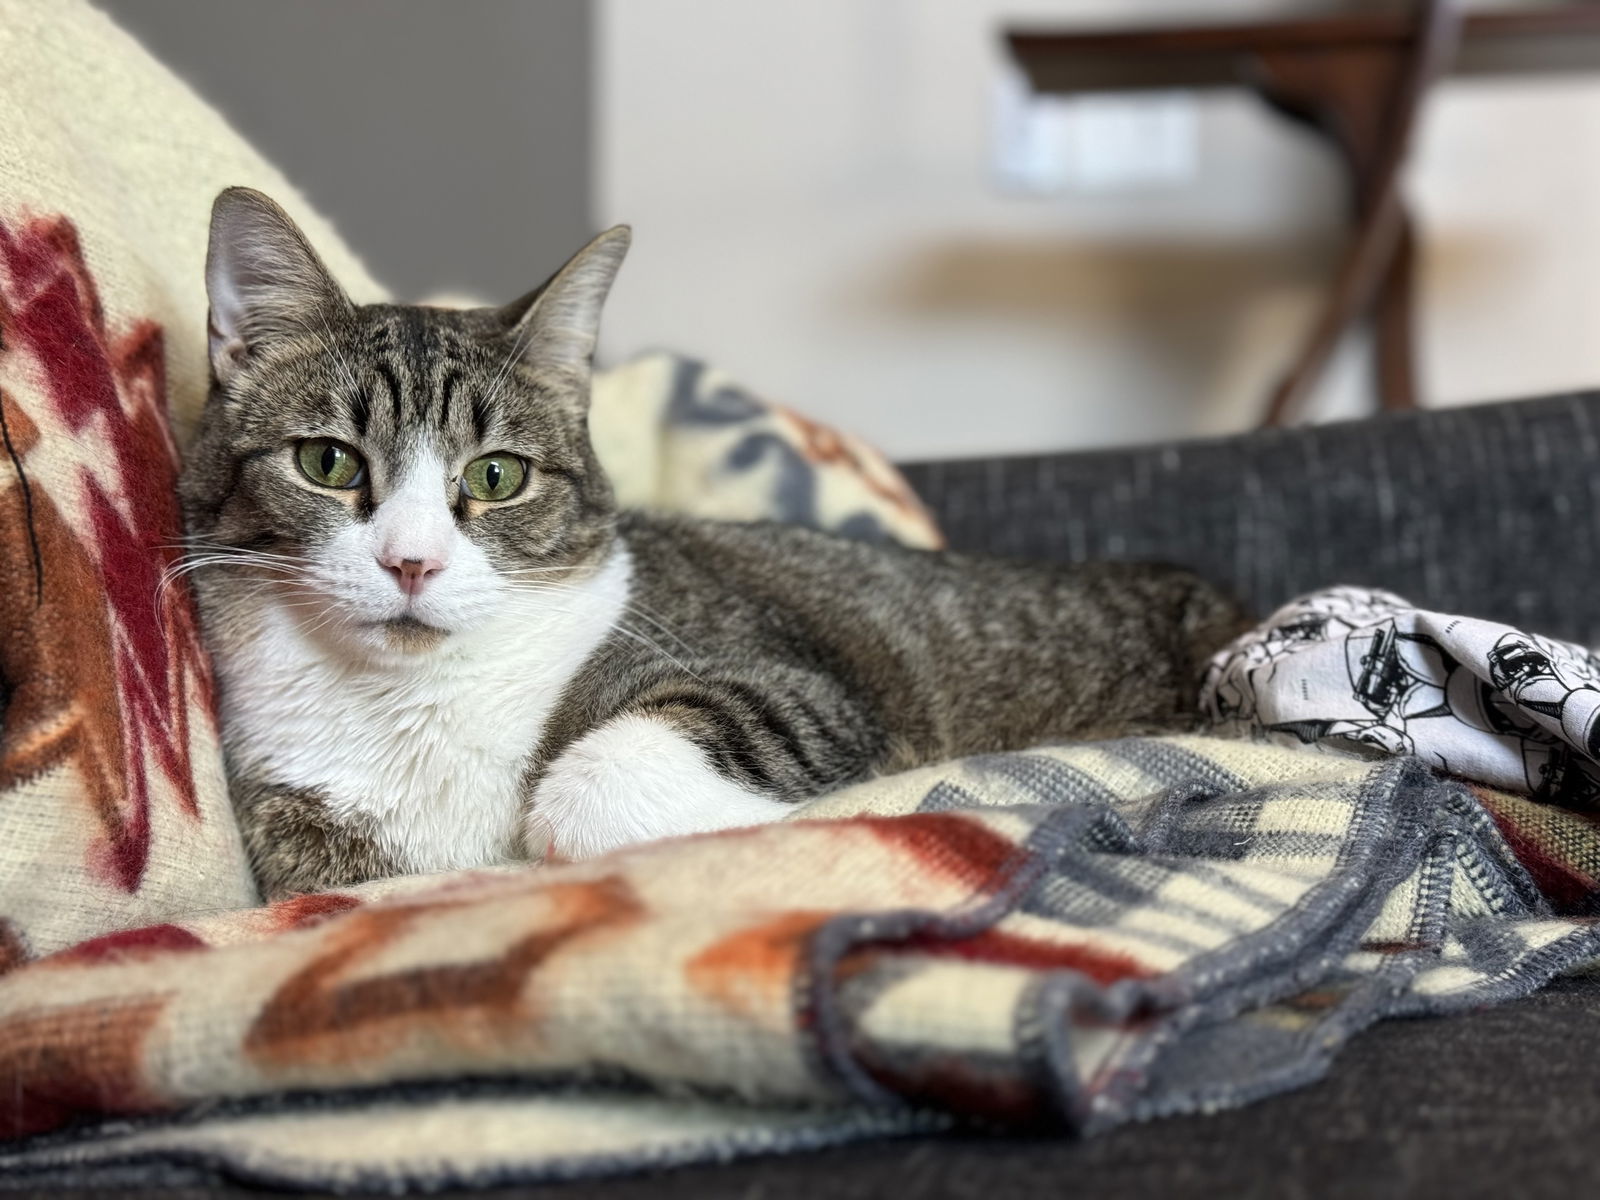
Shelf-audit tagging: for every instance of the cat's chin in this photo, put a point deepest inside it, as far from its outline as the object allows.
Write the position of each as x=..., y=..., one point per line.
x=408, y=635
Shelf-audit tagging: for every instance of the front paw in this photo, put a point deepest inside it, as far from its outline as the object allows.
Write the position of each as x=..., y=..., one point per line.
x=634, y=779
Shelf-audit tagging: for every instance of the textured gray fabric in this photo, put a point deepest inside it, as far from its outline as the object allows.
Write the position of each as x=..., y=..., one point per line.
x=1487, y=511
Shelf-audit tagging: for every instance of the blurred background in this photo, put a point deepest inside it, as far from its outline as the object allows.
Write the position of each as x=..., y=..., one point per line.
x=860, y=209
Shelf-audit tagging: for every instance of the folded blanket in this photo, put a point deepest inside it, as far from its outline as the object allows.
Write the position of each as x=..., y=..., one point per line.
x=1075, y=935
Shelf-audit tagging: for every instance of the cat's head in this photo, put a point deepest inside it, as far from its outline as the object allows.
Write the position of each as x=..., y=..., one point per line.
x=397, y=472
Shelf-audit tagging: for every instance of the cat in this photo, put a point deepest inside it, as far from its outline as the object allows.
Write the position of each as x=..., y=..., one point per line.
x=440, y=645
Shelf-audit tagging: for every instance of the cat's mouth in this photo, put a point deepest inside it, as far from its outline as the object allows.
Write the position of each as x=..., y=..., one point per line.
x=408, y=633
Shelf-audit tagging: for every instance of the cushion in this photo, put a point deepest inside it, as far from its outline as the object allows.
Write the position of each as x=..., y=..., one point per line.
x=113, y=807
x=678, y=435
x=113, y=802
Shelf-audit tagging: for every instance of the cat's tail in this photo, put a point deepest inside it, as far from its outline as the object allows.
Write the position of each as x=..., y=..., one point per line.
x=1210, y=619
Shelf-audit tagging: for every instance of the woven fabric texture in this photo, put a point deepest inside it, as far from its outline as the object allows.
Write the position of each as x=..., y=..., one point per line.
x=1081, y=936
x=1485, y=510
x=113, y=810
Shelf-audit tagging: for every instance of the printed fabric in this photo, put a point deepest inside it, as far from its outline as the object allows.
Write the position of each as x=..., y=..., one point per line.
x=1363, y=671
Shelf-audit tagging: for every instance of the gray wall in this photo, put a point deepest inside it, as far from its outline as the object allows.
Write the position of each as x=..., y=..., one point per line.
x=448, y=139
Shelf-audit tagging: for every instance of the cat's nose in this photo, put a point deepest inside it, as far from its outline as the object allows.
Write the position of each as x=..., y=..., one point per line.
x=411, y=574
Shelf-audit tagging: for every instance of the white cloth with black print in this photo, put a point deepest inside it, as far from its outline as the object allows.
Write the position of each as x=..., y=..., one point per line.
x=1353, y=669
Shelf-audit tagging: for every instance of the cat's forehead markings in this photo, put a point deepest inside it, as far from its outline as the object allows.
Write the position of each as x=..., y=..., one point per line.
x=412, y=332
x=447, y=392
x=359, y=404
x=480, y=416
x=391, y=381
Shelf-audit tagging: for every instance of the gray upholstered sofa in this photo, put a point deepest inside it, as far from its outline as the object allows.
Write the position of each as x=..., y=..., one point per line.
x=1487, y=510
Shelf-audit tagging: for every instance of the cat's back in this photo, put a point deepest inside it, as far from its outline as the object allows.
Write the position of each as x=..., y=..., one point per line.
x=778, y=567
x=961, y=651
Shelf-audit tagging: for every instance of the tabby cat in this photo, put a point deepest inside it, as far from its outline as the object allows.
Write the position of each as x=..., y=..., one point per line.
x=440, y=645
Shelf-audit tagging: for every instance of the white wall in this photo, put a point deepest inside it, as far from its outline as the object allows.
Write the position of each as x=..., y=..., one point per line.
x=813, y=209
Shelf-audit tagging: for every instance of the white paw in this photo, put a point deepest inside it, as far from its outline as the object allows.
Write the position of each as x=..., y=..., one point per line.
x=635, y=779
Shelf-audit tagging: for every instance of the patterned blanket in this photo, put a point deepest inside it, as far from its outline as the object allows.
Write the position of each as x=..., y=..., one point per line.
x=1079, y=936
x=1362, y=670
x=1073, y=936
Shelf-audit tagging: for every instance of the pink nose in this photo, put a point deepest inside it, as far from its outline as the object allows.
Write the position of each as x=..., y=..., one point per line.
x=411, y=574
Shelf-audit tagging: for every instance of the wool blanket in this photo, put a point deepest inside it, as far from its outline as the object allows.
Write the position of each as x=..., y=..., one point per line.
x=1078, y=936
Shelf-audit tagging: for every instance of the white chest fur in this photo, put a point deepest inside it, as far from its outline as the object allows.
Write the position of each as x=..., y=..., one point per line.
x=429, y=749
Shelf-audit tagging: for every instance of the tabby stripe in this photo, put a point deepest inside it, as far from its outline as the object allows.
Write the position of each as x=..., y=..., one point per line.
x=413, y=333
x=743, y=764
x=791, y=740
x=447, y=391
x=236, y=479
x=480, y=417
x=393, y=383
x=361, y=411
x=556, y=469
x=827, y=737
x=720, y=734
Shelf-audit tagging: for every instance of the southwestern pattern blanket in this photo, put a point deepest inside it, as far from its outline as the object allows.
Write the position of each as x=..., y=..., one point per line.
x=1076, y=935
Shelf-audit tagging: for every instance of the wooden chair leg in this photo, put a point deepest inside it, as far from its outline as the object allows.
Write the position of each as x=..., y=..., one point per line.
x=1360, y=275
x=1393, y=339
x=1365, y=99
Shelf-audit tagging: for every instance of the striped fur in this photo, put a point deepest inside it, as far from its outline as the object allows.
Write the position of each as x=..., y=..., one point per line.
x=574, y=678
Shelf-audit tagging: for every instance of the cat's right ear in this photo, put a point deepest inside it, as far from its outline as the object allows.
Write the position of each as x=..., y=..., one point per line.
x=263, y=279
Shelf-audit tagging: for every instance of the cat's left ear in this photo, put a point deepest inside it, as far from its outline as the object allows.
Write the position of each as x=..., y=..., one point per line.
x=559, y=324
x=263, y=280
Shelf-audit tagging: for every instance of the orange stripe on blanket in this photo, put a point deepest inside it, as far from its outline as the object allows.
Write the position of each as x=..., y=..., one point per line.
x=751, y=972
x=87, y=1058
x=300, y=912
x=321, y=1015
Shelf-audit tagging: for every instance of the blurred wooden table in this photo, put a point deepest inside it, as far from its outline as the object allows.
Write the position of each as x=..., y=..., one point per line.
x=1356, y=78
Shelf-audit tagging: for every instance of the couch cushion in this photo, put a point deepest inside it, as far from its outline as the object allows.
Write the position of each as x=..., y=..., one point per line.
x=113, y=806
x=113, y=809
x=676, y=434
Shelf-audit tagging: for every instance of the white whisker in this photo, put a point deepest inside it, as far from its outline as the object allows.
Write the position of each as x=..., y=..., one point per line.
x=511, y=359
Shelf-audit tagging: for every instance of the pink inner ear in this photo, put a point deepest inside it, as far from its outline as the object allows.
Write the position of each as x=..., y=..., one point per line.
x=224, y=351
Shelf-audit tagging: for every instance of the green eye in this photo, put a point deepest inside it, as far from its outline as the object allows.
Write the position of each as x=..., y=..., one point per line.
x=330, y=464
x=494, y=477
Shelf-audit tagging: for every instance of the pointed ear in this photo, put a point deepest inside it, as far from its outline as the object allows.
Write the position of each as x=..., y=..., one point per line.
x=559, y=324
x=262, y=277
